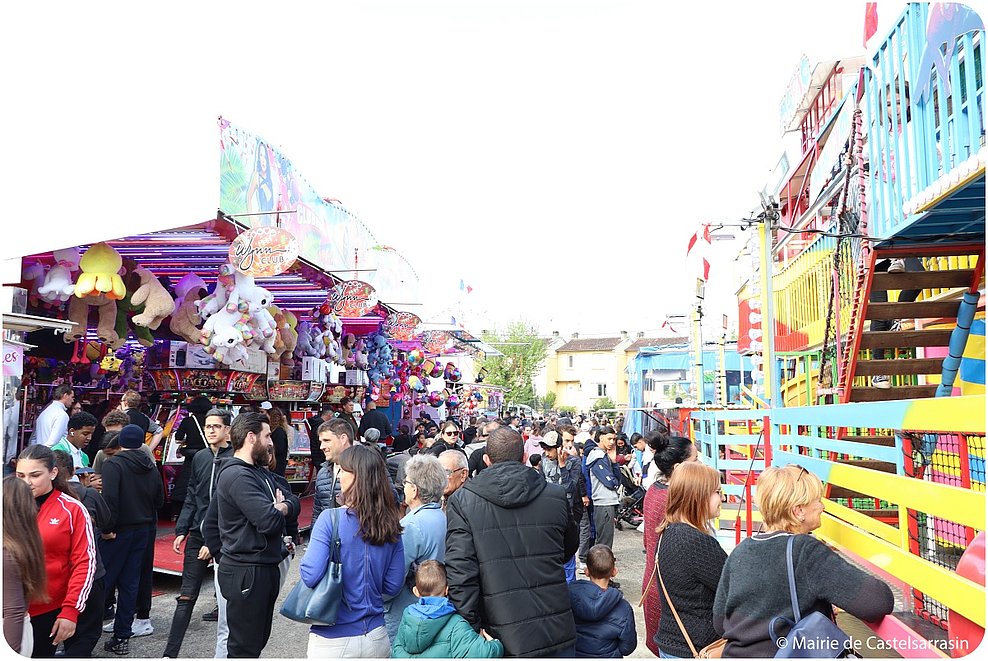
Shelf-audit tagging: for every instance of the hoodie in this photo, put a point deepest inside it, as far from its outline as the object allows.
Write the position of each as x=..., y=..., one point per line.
x=202, y=483
x=508, y=536
x=605, y=623
x=431, y=629
x=250, y=527
x=132, y=490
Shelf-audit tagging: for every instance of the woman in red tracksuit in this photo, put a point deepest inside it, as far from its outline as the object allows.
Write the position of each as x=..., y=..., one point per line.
x=70, y=550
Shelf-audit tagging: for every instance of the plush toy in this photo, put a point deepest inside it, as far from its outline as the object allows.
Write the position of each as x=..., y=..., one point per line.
x=58, y=285
x=217, y=300
x=155, y=299
x=361, y=358
x=334, y=352
x=185, y=320
x=306, y=345
x=224, y=335
x=79, y=313
x=126, y=311
x=348, y=344
x=287, y=324
x=100, y=273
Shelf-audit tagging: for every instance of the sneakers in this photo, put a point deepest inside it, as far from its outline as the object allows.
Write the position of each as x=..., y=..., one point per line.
x=109, y=613
x=881, y=381
x=118, y=646
x=895, y=326
x=212, y=616
x=897, y=266
x=142, y=628
x=108, y=627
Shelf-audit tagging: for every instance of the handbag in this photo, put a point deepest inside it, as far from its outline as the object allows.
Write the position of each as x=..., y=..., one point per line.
x=319, y=605
x=714, y=650
x=813, y=636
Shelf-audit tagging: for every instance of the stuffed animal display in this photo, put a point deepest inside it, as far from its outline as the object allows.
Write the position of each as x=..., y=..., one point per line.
x=58, y=285
x=236, y=316
x=100, y=273
x=158, y=304
x=185, y=320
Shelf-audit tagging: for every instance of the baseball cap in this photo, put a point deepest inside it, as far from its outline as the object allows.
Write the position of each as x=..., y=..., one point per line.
x=550, y=440
x=82, y=470
x=266, y=406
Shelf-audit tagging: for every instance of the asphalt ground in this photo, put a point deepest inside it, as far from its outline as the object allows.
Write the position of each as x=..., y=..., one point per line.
x=289, y=639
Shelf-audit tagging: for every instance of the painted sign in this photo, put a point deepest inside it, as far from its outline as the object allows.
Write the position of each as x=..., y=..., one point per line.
x=288, y=391
x=434, y=341
x=264, y=251
x=402, y=325
x=353, y=298
x=203, y=380
x=796, y=90
x=258, y=179
x=13, y=360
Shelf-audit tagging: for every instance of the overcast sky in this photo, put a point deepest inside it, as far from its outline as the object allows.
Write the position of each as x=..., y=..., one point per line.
x=556, y=156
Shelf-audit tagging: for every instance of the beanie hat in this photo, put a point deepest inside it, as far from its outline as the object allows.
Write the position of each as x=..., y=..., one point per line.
x=131, y=437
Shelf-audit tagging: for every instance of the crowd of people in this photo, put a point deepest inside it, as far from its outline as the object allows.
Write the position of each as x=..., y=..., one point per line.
x=463, y=538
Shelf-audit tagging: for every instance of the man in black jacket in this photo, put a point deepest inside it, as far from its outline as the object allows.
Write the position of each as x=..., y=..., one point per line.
x=251, y=519
x=376, y=418
x=133, y=492
x=202, y=482
x=509, y=533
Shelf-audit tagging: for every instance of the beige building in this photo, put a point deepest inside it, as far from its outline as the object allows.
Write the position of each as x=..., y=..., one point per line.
x=582, y=370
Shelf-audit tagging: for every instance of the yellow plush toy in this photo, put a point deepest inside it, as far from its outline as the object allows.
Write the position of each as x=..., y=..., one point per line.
x=100, y=273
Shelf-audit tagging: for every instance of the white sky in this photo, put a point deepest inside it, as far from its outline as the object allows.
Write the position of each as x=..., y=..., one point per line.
x=556, y=156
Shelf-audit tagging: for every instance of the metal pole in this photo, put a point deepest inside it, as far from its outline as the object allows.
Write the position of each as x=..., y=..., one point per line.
x=723, y=371
x=772, y=396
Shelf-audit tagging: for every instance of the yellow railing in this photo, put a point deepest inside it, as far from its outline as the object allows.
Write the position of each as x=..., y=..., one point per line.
x=946, y=264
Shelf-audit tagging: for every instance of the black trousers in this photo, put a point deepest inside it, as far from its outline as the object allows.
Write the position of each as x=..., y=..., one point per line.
x=193, y=573
x=250, y=592
x=41, y=625
x=912, y=264
x=144, y=589
x=89, y=627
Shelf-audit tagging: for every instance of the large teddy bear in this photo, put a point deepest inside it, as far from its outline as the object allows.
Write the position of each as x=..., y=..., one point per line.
x=155, y=299
x=99, y=285
x=185, y=320
x=286, y=338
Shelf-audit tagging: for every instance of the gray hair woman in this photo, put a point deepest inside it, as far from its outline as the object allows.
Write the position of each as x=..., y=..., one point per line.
x=424, y=527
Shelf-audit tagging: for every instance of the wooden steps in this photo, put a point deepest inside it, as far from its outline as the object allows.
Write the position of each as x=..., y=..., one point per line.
x=900, y=366
x=872, y=394
x=923, y=280
x=905, y=339
x=885, y=441
x=916, y=310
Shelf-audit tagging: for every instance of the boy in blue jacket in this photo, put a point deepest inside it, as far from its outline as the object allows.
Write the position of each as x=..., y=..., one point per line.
x=432, y=629
x=605, y=623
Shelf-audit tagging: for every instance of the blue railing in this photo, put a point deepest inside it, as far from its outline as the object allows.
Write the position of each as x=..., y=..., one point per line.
x=925, y=113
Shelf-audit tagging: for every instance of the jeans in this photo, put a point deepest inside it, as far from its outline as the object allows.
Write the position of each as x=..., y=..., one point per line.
x=586, y=535
x=663, y=655
x=222, y=627
x=604, y=519
x=373, y=644
x=250, y=591
x=570, y=568
x=392, y=617
x=123, y=557
x=193, y=572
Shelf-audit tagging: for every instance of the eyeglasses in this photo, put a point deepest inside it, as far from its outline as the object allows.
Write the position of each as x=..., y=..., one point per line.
x=451, y=433
x=215, y=426
x=450, y=471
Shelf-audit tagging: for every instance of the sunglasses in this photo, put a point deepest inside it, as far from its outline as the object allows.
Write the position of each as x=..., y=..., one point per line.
x=451, y=433
x=802, y=471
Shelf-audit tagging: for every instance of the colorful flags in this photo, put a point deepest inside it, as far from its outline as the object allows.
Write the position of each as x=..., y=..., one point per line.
x=701, y=241
x=871, y=21
x=465, y=287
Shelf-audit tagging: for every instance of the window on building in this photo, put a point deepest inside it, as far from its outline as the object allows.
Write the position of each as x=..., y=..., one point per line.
x=602, y=390
x=571, y=361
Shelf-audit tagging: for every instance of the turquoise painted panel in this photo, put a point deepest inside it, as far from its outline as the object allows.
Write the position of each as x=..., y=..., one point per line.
x=876, y=452
x=818, y=467
x=881, y=415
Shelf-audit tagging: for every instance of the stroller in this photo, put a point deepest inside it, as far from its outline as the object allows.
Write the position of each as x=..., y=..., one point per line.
x=630, y=510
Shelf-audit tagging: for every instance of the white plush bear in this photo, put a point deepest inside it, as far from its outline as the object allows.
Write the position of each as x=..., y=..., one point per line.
x=59, y=283
x=217, y=300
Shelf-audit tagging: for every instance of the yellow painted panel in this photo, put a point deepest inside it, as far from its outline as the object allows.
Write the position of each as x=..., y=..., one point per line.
x=947, y=502
x=958, y=594
x=946, y=414
x=882, y=530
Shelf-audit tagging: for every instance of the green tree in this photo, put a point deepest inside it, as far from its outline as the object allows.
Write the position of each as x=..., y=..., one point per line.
x=567, y=409
x=549, y=402
x=603, y=403
x=524, y=353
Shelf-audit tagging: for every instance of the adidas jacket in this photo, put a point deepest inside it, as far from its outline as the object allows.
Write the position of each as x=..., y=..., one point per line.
x=70, y=555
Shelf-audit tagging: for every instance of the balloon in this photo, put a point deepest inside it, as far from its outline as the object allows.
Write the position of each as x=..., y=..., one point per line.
x=455, y=375
x=436, y=371
x=416, y=357
x=435, y=399
x=477, y=395
x=453, y=401
x=415, y=383
x=428, y=366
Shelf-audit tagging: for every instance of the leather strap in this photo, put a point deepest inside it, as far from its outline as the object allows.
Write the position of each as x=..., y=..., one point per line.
x=689, y=641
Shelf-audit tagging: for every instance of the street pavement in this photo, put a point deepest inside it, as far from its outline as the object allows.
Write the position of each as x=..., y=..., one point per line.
x=289, y=639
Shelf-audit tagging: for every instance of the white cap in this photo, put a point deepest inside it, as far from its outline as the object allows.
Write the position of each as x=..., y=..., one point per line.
x=266, y=406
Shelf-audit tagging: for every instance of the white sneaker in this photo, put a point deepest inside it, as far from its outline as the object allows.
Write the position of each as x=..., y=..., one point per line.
x=108, y=627
x=881, y=381
x=142, y=628
x=897, y=266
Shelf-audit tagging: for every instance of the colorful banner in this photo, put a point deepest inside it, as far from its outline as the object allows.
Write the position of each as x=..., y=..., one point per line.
x=353, y=299
x=13, y=360
x=264, y=251
x=401, y=326
x=255, y=178
x=187, y=380
x=434, y=341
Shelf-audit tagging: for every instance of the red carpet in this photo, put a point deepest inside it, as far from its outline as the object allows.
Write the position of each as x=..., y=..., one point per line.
x=167, y=561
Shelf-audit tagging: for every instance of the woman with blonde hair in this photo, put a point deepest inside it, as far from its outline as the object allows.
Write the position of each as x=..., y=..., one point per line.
x=689, y=560
x=23, y=564
x=754, y=588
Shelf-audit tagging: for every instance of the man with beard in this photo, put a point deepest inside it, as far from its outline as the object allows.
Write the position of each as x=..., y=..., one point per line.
x=251, y=517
